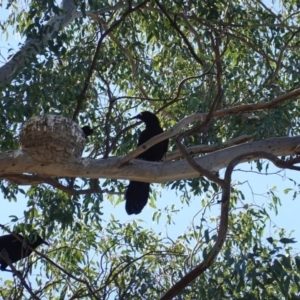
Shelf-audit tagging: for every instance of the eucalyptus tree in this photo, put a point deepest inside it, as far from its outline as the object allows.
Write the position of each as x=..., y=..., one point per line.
x=223, y=78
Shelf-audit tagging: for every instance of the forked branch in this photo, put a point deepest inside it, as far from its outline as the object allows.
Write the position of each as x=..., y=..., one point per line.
x=222, y=231
x=202, y=116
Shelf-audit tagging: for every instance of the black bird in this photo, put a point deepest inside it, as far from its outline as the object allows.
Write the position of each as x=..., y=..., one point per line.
x=138, y=192
x=87, y=130
x=16, y=250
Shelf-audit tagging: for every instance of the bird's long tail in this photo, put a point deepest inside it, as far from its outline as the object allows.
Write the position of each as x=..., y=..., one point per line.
x=136, y=196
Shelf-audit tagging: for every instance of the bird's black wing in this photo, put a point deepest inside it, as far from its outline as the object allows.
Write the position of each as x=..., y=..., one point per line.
x=144, y=137
x=13, y=248
x=16, y=249
x=156, y=152
x=136, y=196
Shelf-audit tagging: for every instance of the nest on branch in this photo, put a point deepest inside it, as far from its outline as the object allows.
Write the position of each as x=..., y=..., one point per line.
x=52, y=139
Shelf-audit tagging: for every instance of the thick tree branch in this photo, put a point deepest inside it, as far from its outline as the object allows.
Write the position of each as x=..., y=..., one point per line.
x=19, y=162
x=194, y=150
x=34, y=46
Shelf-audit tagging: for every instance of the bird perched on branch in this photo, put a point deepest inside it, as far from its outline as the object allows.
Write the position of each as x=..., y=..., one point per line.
x=87, y=130
x=17, y=249
x=138, y=192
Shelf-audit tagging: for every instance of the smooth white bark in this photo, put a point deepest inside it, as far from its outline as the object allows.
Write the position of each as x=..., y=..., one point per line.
x=19, y=162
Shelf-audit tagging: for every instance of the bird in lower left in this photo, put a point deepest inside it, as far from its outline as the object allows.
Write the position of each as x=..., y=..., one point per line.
x=17, y=249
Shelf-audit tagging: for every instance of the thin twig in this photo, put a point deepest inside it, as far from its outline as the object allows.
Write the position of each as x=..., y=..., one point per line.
x=176, y=27
x=5, y=256
x=94, y=61
x=23, y=179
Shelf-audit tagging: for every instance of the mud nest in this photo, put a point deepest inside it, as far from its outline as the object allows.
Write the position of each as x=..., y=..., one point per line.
x=51, y=138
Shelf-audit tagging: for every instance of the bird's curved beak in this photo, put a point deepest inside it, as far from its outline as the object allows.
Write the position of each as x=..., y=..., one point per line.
x=136, y=117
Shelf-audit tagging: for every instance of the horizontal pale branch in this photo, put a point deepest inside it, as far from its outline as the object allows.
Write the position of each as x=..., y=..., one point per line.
x=209, y=148
x=199, y=116
x=19, y=162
